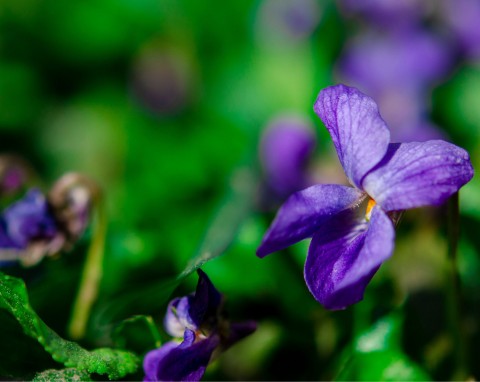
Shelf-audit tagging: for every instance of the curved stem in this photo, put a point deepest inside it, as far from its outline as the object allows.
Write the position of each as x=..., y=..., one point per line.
x=91, y=276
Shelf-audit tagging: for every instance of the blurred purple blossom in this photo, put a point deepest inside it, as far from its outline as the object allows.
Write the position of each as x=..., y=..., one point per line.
x=163, y=80
x=398, y=69
x=288, y=20
x=390, y=14
x=352, y=228
x=285, y=149
x=38, y=225
x=198, y=319
x=462, y=16
x=28, y=229
x=14, y=174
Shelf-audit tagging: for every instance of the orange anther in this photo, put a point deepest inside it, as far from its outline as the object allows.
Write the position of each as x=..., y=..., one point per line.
x=370, y=205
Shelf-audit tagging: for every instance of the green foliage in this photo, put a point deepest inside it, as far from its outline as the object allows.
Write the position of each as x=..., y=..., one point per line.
x=178, y=194
x=381, y=366
x=376, y=355
x=232, y=213
x=64, y=375
x=137, y=333
x=114, y=363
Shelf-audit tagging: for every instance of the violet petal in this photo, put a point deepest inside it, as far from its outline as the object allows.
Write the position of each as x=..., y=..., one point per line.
x=238, y=331
x=345, y=255
x=304, y=212
x=359, y=133
x=29, y=219
x=177, y=318
x=184, y=362
x=153, y=359
x=204, y=305
x=418, y=174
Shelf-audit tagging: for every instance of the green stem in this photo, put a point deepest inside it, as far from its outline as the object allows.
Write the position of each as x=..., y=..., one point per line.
x=91, y=276
x=454, y=296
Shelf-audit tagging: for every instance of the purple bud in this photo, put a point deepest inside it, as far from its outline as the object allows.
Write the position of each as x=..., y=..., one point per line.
x=288, y=20
x=285, y=148
x=14, y=173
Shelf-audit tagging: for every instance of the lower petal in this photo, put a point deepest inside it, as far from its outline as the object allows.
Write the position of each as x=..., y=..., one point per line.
x=238, y=331
x=344, y=256
x=304, y=212
x=180, y=362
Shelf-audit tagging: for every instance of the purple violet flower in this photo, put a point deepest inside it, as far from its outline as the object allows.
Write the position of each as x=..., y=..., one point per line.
x=28, y=229
x=286, y=146
x=38, y=225
x=352, y=228
x=28, y=219
x=288, y=21
x=462, y=17
x=391, y=14
x=198, y=319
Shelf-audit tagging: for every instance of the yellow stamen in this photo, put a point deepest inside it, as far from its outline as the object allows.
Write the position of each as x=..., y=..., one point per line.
x=370, y=205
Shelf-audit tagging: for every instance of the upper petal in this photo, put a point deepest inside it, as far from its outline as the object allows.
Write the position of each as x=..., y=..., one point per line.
x=206, y=302
x=359, y=134
x=194, y=311
x=345, y=255
x=177, y=317
x=305, y=211
x=418, y=174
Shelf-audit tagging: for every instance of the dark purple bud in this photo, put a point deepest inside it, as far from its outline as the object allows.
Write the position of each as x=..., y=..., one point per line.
x=14, y=173
x=288, y=20
x=163, y=80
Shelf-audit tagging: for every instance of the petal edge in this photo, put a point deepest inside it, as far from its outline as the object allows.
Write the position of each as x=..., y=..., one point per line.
x=359, y=133
x=304, y=212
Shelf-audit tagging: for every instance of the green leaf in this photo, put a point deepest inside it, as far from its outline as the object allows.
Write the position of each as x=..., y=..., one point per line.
x=381, y=366
x=64, y=375
x=376, y=355
x=234, y=210
x=385, y=334
x=114, y=363
x=138, y=334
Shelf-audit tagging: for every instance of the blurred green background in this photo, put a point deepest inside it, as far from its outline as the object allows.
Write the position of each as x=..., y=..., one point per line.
x=162, y=102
